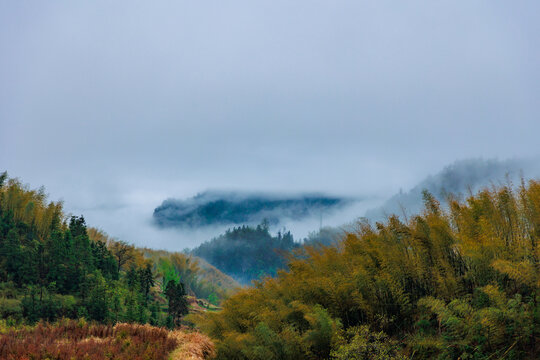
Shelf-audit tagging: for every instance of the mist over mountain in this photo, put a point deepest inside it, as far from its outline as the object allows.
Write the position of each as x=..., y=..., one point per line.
x=460, y=178
x=234, y=208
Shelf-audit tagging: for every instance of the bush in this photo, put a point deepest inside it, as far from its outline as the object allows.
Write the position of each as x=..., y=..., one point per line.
x=359, y=343
x=10, y=308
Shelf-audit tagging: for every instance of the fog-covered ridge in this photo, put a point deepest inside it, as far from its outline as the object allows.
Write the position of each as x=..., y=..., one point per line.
x=234, y=208
x=459, y=179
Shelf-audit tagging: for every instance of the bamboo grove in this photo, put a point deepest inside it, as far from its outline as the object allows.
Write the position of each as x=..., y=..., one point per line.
x=457, y=281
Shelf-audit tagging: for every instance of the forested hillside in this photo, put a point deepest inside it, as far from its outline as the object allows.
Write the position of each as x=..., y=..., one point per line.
x=54, y=266
x=247, y=253
x=457, y=283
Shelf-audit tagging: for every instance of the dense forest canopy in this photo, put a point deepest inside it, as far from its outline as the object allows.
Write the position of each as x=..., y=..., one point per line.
x=461, y=282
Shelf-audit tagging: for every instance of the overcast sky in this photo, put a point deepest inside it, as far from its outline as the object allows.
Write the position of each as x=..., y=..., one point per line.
x=115, y=106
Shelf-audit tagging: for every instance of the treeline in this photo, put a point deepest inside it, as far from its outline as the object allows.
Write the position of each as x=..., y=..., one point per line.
x=461, y=283
x=52, y=266
x=247, y=253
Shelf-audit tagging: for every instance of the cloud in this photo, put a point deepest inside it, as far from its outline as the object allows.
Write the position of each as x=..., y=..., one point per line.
x=103, y=100
x=225, y=208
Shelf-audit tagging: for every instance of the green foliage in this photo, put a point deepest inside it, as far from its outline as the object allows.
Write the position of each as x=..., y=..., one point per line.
x=213, y=299
x=176, y=297
x=467, y=330
x=168, y=272
x=360, y=343
x=10, y=308
x=322, y=332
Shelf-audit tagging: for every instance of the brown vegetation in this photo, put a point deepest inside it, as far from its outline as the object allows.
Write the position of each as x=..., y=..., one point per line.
x=79, y=340
x=193, y=346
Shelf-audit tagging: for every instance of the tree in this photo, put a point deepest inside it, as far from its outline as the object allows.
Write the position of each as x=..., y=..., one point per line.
x=176, y=296
x=97, y=299
x=62, y=261
x=104, y=260
x=146, y=279
x=213, y=299
x=13, y=257
x=123, y=252
x=81, y=246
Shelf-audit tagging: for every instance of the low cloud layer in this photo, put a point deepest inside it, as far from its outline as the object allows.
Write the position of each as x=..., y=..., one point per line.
x=227, y=208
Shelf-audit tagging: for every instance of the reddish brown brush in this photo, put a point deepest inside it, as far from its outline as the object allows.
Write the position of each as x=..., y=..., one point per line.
x=71, y=340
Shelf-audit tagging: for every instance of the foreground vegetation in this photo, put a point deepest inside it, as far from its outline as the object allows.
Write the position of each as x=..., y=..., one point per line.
x=78, y=340
x=460, y=281
x=455, y=282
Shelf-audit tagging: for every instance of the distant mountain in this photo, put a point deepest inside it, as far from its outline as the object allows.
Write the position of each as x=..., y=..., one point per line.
x=250, y=252
x=229, y=208
x=247, y=253
x=460, y=178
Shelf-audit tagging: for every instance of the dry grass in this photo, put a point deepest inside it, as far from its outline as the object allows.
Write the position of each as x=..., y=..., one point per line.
x=68, y=340
x=192, y=346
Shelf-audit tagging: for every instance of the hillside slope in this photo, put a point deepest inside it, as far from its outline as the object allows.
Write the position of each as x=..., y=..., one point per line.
x=457, y=283
x=201, y=278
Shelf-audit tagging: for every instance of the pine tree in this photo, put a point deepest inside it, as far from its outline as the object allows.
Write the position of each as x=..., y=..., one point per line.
x=176, y=297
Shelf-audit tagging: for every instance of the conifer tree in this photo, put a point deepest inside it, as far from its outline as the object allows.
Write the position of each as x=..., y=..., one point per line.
x=176, y=297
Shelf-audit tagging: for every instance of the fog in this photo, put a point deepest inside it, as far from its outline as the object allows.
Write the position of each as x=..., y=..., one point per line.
x=114, y=107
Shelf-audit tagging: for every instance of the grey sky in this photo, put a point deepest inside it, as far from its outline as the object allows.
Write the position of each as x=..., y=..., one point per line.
x=114, y=106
